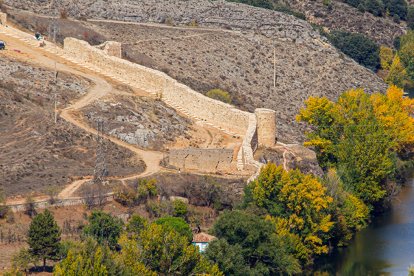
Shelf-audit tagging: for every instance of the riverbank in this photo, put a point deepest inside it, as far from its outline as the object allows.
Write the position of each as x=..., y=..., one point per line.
x=385, y=247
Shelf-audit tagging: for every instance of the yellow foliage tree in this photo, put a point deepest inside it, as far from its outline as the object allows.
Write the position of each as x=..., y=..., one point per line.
x=386, y=57
x=395, y=112
x=297, y=204
x=397, y=75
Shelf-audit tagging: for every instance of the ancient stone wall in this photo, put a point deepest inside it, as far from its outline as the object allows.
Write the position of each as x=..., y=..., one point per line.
x=3, y=18
x=205, y=160
x=111, y=48
x=196, y=105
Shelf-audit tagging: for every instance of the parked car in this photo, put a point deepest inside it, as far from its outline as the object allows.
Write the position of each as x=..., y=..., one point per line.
x=2, y=45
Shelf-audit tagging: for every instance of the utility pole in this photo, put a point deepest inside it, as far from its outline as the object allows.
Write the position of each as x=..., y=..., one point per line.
x=274, y=65
x=100, y=163
x=55, y=94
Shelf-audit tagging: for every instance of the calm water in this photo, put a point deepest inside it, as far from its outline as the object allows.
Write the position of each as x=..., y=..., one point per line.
x=386, y=247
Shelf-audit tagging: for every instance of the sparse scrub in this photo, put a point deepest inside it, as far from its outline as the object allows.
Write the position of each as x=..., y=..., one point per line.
x=220, y=95
x=63, y=14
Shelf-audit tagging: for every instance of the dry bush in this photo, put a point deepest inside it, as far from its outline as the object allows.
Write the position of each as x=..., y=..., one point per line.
x=63, y=14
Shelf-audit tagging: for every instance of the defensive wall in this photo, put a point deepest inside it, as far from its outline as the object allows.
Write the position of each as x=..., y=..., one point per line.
x=212, y=112
x=43, y=204
x=205, y=160
x=195, y=104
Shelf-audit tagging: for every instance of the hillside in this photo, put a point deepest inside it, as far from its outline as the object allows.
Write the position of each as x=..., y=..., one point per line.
x=340, y=16
x=235, y=53
x=39, y=156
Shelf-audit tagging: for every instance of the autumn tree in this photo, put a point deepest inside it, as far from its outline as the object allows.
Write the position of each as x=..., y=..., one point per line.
x=386, y=57
x=397, y=73
x=162, y=250
x=44, y=237
x=358, y=135
x=88, y=258
x=297, y=205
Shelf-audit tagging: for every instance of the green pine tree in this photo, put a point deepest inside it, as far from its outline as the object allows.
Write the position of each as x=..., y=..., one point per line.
x=44, y=237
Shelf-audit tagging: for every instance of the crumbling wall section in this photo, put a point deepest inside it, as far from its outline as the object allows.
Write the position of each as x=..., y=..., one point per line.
x=111, y=48
x=205, y=160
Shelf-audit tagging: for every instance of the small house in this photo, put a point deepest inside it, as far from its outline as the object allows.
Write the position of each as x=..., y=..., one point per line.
x=202, y=240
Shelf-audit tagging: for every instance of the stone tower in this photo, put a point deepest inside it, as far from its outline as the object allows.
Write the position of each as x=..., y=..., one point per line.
x=266, y=127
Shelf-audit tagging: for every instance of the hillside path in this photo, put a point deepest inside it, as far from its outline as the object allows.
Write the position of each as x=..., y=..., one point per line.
x=99, y=89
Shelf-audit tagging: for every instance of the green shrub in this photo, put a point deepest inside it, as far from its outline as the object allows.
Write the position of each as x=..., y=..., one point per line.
x=177, y=224
x=180, y=208
x=220, y=95
x=360, y=48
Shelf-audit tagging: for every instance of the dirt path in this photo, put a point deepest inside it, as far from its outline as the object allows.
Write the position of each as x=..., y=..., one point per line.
x=101, y=88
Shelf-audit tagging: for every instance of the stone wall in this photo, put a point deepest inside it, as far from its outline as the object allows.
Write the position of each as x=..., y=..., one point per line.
x=205, y=160
x=194, y=104
x=111, y=48
x=43, y=204
x=3, y=18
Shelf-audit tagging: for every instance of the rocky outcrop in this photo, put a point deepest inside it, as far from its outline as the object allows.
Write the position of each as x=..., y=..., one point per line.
x=291, y=157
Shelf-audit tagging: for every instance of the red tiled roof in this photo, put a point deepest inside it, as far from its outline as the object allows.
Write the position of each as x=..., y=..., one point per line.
x=203, y=237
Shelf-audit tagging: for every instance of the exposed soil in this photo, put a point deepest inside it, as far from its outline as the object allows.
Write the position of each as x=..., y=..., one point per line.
x=37, y=154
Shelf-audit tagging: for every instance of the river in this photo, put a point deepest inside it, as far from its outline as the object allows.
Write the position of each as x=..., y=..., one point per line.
x=385, y=247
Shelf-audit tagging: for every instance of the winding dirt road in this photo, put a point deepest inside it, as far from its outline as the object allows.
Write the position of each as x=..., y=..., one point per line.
x=101, y=88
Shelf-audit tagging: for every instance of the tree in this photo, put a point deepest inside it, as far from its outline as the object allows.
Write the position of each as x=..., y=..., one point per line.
x=104, y=228
x=263, y=251
x=176, y=224
x=298, y=205
x=22, y=260
x=363, y=138
x=397, y=75
x=386, y=57
x=136, y=224
x=395, y=113
x=44, y=237
x=376, y=7
x=161, y=249
x=180, y=208
x=349, y=213
x=360, y=48
x=397, y=7
x=228, y=258
x=410, y=17
x=88, y=258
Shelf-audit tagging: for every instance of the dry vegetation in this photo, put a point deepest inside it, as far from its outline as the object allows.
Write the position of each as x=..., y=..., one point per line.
x=37, y=154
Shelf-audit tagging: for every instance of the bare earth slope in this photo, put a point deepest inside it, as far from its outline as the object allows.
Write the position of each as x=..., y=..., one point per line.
x=235, y=53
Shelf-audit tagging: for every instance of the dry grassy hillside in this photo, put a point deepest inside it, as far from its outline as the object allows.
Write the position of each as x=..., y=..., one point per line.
x=35, y=153
x=235, y=53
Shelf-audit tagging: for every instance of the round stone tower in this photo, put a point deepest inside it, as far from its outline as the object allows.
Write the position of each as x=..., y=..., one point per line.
x=266, y=127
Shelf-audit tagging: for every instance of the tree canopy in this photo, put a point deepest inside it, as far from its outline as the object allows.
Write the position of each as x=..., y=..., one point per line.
x=44, y=237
